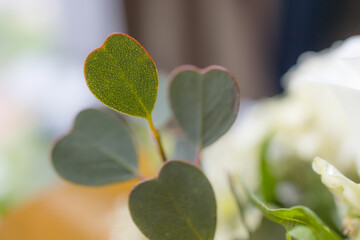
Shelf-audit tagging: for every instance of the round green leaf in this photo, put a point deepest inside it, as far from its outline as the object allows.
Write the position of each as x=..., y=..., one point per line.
x=205, y=102
x=98, y=151
x=122, y=75
x=179, y=204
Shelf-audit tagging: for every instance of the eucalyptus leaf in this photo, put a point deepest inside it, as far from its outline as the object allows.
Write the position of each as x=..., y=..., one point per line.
x=205, y=102
x=98, y=151
x=296, y=216
x=179, y=204
x=161, y=113
x=123, y=76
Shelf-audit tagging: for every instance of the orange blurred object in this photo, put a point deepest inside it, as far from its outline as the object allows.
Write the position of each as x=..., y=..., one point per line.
x=67, y=212
x=70, y=212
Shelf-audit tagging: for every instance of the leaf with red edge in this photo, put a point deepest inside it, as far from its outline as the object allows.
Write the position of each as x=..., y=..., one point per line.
x=179, y=204
x=123, y=76
x=205, y=102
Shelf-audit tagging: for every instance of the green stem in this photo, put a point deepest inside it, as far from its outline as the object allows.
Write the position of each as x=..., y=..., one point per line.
x=198, y=157
x=239, y=205
x=157, y=138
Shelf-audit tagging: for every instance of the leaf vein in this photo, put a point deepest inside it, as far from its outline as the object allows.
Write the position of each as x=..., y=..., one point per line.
x=182, y=214
x=128, y=82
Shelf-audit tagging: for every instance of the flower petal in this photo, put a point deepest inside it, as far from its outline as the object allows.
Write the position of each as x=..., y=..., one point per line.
x=342, y=187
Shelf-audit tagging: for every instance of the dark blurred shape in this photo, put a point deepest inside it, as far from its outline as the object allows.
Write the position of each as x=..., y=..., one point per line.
x=309, y=25
x=239, y=35
x=256, y=40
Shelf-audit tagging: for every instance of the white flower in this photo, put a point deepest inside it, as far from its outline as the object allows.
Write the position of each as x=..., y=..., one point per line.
x=297, y=123
x=227, y=156
x=312, y=118
x=346, y=192
x=342, y=187
x=336, y=71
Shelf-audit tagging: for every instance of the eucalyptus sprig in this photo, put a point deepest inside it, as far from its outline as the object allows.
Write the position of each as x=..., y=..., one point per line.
x=179, y=203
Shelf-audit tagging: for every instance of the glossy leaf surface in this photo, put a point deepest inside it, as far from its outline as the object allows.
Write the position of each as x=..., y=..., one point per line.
x=179, y=204
x=296, y=216
x=122, y=75
x=205, y=102
x=98, y=151
x=301, y=233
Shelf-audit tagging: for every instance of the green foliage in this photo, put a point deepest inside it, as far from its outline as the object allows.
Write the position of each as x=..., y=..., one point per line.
x=301, y=233
x=312, y=192
x=98, y=151
x=294, y=217
x=122, y=75
x=268, y=181
x=205, y=102
x=179, y=204
x=268, y=230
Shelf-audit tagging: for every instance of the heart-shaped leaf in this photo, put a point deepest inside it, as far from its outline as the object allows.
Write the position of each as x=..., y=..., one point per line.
x=98, y=151
x=179, y=204
x=123, y=76
x=205, y=102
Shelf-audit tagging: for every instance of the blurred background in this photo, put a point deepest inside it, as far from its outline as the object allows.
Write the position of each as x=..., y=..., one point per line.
x=44, y=43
